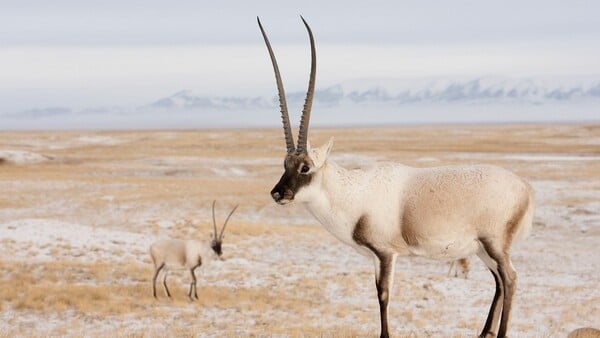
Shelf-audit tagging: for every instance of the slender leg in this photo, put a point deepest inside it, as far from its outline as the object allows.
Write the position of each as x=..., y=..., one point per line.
x=506, y=277
x=193, y=284
x=463, y=263
x=491, y=322
x=384, y=280
x=165, y=283
x=459, y=267
x=493, y=318
x=509, y=279
x=154, y=279
x=452, y=272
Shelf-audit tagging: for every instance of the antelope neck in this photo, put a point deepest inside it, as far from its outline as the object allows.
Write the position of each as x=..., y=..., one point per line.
x=330, y=201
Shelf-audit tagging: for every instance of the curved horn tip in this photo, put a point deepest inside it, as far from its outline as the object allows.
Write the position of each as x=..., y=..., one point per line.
x=289, y=139
x=303, y=20
x=227, y=221
x=304, y=120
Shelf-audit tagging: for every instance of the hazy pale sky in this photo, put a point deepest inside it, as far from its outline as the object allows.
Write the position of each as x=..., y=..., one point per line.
x=84, y=53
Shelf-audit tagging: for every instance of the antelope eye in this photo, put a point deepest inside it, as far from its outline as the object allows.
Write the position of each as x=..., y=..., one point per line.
x=304, y=169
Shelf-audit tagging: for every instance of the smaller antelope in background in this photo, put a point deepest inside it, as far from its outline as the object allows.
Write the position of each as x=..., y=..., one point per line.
x=459, y=268
x=188, y=254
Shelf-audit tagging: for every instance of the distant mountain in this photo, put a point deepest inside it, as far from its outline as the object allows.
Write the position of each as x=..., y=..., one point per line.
x=186, y=99
x=40, y=113
x=357, y=102
x=484, y=90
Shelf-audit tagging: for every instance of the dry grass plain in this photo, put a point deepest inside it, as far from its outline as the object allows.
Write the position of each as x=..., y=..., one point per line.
x=78, y=211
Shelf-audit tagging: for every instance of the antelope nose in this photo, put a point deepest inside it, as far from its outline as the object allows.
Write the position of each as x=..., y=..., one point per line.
x=276, y=196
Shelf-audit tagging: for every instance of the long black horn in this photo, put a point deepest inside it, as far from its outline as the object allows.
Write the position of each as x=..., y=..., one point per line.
x=213, y=215
x=227, y=220
x=287, y=129
x=304, y=121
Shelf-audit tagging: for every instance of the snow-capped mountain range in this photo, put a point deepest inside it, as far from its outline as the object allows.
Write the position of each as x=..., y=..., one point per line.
x=487, y=90
x=187, y=99
x=388, y=97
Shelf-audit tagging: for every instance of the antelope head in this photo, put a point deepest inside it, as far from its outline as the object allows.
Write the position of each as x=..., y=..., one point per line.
x=218, y=237
x=302, y=164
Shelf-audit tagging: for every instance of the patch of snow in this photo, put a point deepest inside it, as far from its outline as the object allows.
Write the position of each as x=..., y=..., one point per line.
x=44, y=234
x=23, y=157
x=592, y=141
x=528, y=157
x=427, y=159
x=230, y=171
x=166, y=224
x=551, y=158
x=99, y=140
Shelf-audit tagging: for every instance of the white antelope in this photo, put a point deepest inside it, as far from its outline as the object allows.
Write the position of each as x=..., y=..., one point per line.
x=387, y=210
x=189, y=254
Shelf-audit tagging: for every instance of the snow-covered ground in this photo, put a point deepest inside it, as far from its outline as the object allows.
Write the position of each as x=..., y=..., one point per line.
x=22, y=157
x=282, y=274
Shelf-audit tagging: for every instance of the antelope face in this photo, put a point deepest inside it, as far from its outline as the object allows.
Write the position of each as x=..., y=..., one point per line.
x=299, y=165
x=300, y=172
x=216, y=246
x=297, y=174
x=217, y=240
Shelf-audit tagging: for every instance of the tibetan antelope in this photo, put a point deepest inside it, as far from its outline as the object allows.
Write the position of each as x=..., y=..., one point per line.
x=188, y=254
x=459, y=268
x=387, y=210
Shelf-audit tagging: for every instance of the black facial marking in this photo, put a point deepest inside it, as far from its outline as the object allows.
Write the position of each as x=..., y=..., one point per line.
x=293, y=178
x=216, y=246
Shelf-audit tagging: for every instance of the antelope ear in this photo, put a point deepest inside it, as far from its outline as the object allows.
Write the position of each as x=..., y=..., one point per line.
x=319, y=155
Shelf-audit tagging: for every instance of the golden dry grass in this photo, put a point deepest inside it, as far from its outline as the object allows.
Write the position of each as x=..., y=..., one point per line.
x=142, y=178
x=138, y=169
x=91, y=291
